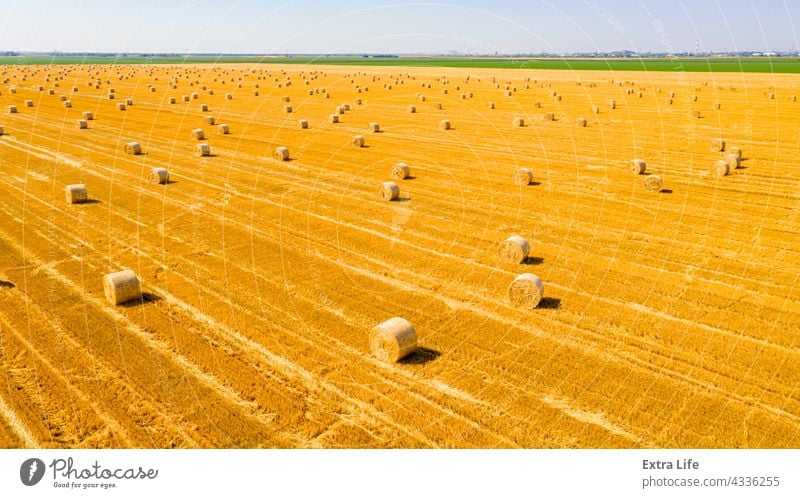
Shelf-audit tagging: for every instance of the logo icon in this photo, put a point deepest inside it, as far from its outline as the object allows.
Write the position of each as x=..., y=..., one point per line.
x=31, y=471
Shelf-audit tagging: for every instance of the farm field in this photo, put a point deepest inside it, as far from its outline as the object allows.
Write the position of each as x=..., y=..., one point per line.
x=669, y=319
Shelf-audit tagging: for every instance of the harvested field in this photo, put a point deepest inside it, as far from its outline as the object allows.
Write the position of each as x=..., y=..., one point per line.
x=665, y=321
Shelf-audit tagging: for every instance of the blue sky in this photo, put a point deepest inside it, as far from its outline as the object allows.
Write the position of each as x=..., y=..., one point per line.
x=467, y=26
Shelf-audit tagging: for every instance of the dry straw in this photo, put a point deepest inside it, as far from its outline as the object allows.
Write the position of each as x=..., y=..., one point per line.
x=12, y=109
x=612, y=104
x=303, y=123
x=223, y=129
x=121, y=287
x=203, y=107
x=357, y=141
x=333, y=118
x=388, y=191
x=549, y=116
x=526, y=291
x=121, y=106
x=202, y=150
x=582, y=122
x=374, y=127
x=518, y=122
x=76, y=193
x=444, y=124
x=281, y=154
x=28, y=103
x=393, y=340
x=514, y=249
x=198, y=134
x=400, y=171
x=287, y=109
x=209, y=120
x=159, y=176
x=523, y=177
x=653, y=183
x=719, y=169
x=88, y=116
x=82, y=124
x=412, y=109
x=637, y=166
x=735, y=150
x=133, y=148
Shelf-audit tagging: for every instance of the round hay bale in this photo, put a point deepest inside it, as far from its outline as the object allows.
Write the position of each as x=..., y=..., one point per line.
x=612, y=104
x=255, y=93
x=637, y=166
x=694, y=98
x=514, y=249
x=526, y=291
x=121, y=287
x=287, y=109
x=111, y=96
x=133, y=148
x=491, y=105
x=444, y=124
x=518, y=122
x=121, y=106
x=717, y=145
x=437, y=106
x=549, y=116
x=223, y=129
x=129, y=101
x=209, y=120
x=76, y=193
x=595, y=109
x=388, y=191
x=669, y=101
x=88, y=116
x=653, y=183
x=695, y=114
x=159, y=176
x=719, y=169
x=412, y=109
x=582, y=122
x=735, y=150
x=194, y=96
x=228, y=96
x=281, y=154
x=334, y=118
x=28, y=103
x=67, y=104
x=733, y=160
x=12, y=109
x=186, y=98
x=400, y=171
x=303, y=124
x=203, y=107
x=393, y=340
x=793, y=98
x=374, y=127
x=202, y=150
x=523, y=177
x=198, y=134
x=357, y=141
x=82, y=124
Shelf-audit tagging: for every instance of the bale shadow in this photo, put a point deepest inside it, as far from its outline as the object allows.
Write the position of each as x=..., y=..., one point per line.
x=6, y=285
x=420, y=357
x=550, y=303
x=665, y=191
x=146, y=298
x=410, y=177
x=88, y=201
x=533, y=260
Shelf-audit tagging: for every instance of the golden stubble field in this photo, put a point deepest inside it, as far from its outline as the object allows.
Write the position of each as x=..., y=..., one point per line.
x=670, y=319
